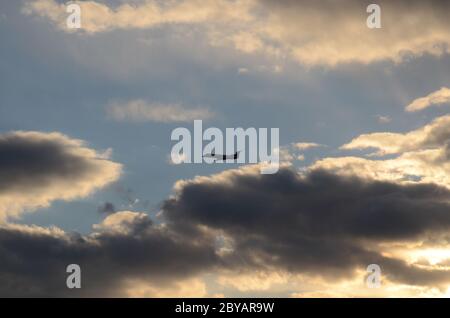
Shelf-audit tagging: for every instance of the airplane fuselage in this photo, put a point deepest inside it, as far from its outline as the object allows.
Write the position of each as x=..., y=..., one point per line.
x=222, y=157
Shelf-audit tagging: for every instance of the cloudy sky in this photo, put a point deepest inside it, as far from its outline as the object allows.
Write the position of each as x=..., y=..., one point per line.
x=86, y=178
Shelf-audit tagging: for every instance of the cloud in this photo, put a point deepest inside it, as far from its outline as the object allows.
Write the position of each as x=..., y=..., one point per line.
x=250, y=232
x=142, y=111
x=419, y=156
x=384, y=119
x=433, y=135
x=253, y=280
x=190, y=288
x=314, y=225
x=424, y=166
x=37, y=168
x=330, y=33
x=125, y=247
x=261, y=231
x=290, y=152
x=123, y=222
x=437, y=98
x=306, y=193
x=107, y=208
x=318, y=224
x=99, y=17
x=306, y=145
x=326, y=33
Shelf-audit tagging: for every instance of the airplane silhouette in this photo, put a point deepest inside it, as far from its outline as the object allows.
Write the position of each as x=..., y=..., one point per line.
x=221, y=157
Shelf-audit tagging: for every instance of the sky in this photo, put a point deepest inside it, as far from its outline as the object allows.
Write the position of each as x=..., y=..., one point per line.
x=86, y=175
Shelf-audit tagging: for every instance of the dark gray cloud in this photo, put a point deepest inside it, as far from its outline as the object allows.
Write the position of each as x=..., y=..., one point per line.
x=321, y=204
x=107, y=208
x=320, y=223
x=28, y=160
x=37, y=168
x=33, y=262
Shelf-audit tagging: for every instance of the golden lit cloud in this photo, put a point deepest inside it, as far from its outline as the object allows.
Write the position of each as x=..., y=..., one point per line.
x=437, y=98
x=422, y=155
x=254, y=280
x=433, y=135
x=187, y=288
x=311, y=32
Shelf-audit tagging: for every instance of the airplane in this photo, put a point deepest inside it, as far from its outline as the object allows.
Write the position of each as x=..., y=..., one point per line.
x=221, y=157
